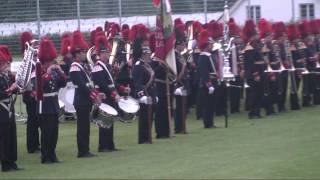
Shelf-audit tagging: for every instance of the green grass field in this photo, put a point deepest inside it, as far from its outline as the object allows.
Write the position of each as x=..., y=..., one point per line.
x=283, y=146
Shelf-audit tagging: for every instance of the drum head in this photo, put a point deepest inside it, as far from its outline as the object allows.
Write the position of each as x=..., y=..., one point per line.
x=108, y=109
x=69, y=109
x=129, y=105
x=61, y=104
x=69, y=95
x=66, y=95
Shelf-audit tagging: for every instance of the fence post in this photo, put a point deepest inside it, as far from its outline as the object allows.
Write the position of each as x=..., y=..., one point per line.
x=205, y=7
x=120, y=12
x=38, y=20
x=78, y=14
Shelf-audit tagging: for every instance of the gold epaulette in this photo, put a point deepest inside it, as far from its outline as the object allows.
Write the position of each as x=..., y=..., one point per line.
x=248, y=48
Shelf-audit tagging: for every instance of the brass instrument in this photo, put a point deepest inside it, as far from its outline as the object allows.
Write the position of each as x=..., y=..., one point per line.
x=301, y=47
x=115, y=45
x=265, y=51
x=226, y=48
x=24, y=72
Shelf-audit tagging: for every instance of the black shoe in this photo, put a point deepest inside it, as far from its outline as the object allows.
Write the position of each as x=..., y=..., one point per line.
x=55, y=159
x=255, y=117
x=145, y=142
x=34, y=151
x=6, y=168
x=162, y=137
x=108, y=150
x=46, y=161
x=86, y=155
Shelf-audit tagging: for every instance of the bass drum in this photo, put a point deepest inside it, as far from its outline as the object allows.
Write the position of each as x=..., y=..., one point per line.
x=128, y=107
x=66, y=95
x=103, y=115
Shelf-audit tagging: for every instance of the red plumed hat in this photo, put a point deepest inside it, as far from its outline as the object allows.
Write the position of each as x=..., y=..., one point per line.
x=264, y=28
x=3, y=57
x=314, y=27
x=5, y=50
x=101, y=44
x=292, y=32
x=139, y=31
x=197, y=28
x=203, y=39
x=124, y=27
x=65, y=45
x=78, y=42
x=113, y=30
x=279, y=29
x=47, y=50
x=125, y=33
x=99, y=28
x=152, y=42
x=215, y=30
x=177, y=22
x=249, y=30
x=92, y=36
x=304, y=29
x=25, y=37
x=234, y=29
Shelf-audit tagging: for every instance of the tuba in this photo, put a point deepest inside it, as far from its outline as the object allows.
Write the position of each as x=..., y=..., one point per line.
x=24, y=72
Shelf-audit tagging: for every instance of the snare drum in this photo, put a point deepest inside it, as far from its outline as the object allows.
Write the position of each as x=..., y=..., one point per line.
x=66, y=95
x=128, y=108
x=103, y=115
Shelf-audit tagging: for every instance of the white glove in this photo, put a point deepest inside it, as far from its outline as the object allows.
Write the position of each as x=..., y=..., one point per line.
x=143, y=100
x=211, y=90
x=157, y=99
x=178, y=91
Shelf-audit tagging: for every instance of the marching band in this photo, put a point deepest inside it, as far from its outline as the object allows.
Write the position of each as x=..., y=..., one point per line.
x=119, y=78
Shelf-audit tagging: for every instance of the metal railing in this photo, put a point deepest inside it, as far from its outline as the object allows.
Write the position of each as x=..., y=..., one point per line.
x=42, y=17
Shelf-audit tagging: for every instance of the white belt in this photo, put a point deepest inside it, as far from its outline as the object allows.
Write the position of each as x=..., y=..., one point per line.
x=5, y=106
x=50, y=94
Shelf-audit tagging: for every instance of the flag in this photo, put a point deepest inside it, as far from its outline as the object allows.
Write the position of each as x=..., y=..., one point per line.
x=164, y=35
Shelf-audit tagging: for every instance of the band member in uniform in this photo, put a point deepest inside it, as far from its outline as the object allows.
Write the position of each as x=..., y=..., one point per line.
x=304, y=63
x=143, y=79
x=182, y=81
x=295, y=76
x=254, y=68
x=315, y=31
x=123, y=76
x=65, y=64
x=208, y=79
x=309, y=95
x=280, y=40
x=194, y=97
x=84, y=93
x=33, y=144
x=8, y=133
x=215, y=30
x=47, y=79
x=268, y=76
x=236, y=86
x=102, y=78
x=162, y=124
